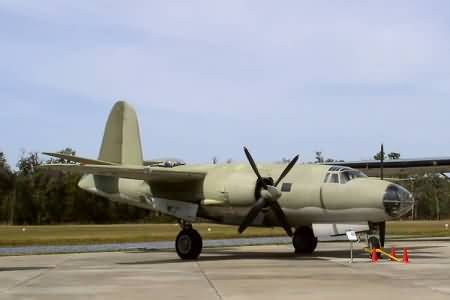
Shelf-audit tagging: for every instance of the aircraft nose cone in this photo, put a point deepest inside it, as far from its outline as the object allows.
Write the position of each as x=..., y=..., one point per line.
x=397, y=200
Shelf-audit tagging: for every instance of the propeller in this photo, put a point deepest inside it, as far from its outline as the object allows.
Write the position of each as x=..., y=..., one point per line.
x=269, y=195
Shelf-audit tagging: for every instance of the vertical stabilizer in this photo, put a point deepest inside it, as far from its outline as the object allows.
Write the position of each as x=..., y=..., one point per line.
x=121, y=140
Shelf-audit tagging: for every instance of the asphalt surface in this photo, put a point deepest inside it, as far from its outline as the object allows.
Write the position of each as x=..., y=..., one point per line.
x=245, y=272
x=27, y=250
x=164, y=245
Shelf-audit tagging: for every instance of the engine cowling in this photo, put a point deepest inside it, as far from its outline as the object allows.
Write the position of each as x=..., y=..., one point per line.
x=240, y=189
x=235, y=189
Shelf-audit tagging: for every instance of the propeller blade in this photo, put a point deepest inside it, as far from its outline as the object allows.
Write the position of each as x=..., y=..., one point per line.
x=287, y=170
x=254, y=167
x=276, y=208
x=252, y=214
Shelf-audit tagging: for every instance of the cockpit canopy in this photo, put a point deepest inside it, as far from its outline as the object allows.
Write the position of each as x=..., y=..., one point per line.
x=342, y=175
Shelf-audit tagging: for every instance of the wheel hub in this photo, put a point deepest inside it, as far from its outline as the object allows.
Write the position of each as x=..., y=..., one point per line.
x=185, y=244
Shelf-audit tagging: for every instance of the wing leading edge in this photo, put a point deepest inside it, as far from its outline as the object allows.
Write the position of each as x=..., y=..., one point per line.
x=78, y=159
x=131, y=172
x=104, y=168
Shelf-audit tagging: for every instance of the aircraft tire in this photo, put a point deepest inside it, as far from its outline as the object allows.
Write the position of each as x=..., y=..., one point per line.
x=304, y=240
x=189, y=244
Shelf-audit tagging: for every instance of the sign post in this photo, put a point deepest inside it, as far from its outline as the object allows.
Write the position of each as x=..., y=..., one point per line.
x=351, y=236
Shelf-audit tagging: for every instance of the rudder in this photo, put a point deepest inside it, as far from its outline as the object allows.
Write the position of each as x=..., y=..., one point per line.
x=121, y=140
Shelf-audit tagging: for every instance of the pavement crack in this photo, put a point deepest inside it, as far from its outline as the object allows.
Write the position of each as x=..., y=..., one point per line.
x=211, y=284
x=30, y=279
x=24, y=282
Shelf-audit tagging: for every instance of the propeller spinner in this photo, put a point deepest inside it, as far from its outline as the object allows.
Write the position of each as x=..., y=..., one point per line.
x=269, y=196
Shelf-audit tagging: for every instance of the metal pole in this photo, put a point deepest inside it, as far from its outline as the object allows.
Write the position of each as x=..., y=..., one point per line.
x=436, y=198
x=413, y=190
x=382, y=162
x=351, y=252
x=448, y=180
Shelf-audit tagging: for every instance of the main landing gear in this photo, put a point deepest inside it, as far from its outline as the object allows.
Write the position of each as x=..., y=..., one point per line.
x=188, y=243
x=304, y=240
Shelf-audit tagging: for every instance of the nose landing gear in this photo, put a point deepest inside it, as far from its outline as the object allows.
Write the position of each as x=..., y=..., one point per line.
x=189, y=243
x=376, y=236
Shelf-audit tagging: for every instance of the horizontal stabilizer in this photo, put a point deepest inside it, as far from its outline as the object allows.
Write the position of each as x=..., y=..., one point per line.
x=78, y=159
x=131, y=172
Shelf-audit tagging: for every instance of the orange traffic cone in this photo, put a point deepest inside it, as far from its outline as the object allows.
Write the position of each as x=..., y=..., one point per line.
x=374, y=255
x=405, y=256
x=393, y=253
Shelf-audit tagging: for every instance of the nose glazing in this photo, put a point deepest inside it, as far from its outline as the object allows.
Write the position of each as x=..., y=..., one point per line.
x=397, y=200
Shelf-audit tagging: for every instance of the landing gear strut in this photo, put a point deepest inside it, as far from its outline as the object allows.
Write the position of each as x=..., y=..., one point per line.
x=376, y=236
x=188, y=243
x=304, y=240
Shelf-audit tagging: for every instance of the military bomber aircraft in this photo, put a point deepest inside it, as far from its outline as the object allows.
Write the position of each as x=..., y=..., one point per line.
x=311, y=199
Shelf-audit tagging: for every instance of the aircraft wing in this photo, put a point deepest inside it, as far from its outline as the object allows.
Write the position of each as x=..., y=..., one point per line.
x=78, y=159
x=149, y=174
x=400, y=167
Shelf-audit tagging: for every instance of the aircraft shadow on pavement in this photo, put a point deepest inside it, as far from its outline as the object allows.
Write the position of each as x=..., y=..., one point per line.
x=418, y=252
x=12, y=269
x=224, y=255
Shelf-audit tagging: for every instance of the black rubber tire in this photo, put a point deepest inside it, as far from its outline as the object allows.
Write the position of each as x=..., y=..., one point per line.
x=189, y=244
x=304, y=240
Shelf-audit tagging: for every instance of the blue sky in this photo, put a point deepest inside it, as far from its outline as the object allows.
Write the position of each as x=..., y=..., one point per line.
x=208, y=77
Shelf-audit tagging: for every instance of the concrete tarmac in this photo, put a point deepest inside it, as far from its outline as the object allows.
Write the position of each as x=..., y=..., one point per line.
x=251, y=272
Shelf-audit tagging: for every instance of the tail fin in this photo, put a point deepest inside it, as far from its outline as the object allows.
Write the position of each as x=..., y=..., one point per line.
x=121, y=140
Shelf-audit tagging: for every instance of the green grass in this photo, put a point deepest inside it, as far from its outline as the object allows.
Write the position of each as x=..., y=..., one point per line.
x=89, y=234
x=418, y=228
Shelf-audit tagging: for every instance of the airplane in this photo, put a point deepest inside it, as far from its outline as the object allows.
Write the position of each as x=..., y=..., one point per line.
x=312, y=199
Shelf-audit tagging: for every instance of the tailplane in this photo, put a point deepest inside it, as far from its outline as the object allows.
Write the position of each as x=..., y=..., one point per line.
x=121, y=141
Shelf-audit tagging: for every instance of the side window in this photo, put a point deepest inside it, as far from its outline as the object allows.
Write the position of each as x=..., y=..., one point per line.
x=334, y=178
x=286, y=187
x=327, y=178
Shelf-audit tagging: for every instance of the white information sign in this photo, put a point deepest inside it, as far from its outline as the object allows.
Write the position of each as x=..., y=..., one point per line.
x=351, y=236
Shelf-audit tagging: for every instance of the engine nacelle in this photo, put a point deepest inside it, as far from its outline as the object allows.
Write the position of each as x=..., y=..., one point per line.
x=240, y=189
x=235, y=189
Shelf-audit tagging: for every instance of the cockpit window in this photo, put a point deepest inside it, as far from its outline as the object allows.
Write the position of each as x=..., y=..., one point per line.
x=348, y=175
x=334, y=178
x=342, y=175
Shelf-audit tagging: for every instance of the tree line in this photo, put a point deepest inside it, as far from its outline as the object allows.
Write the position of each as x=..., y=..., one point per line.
x=29, y=196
